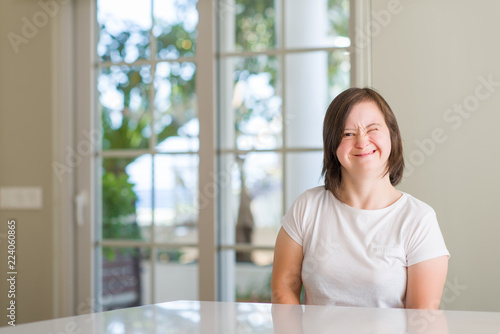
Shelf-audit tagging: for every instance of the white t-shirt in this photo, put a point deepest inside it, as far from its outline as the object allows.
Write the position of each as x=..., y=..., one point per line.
x=356, y=257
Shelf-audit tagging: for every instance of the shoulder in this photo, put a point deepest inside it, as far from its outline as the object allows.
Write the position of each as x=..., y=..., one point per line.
x=313, y=195
x=417, y=207
x=315, y=192
x=311, y=200
x=418, y=216
x=303, y=212
x=421, y=232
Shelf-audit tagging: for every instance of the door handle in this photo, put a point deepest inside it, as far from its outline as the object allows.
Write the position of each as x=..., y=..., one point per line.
x=80, y=203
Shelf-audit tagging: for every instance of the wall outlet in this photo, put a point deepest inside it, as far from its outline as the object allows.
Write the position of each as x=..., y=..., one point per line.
x=21, y=198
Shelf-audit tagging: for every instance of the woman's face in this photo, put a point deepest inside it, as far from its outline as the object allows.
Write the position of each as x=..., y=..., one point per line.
x=366, y=143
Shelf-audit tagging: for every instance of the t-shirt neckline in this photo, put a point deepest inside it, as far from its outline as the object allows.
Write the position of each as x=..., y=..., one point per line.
x=387, y=208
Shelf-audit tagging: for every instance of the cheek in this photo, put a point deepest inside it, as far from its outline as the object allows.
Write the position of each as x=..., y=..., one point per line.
x=385, y=144
x=342, y=149
x=343, y=153
x=387, y=141
x=382, y=140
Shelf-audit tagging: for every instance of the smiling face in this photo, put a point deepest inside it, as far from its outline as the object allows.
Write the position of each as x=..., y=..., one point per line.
x=370, y=148
x=366, y=142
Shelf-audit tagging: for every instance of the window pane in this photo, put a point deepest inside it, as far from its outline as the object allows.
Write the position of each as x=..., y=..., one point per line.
x=124, y=99
x=248, y=25
x=314, y=24
x=303, y=172
x=251, y=103
x=176, y=274
x=125, y=277
x=126, y=198
x=176, y=123
x=251, y=199
x=247, y=281
x=176, y=198
x=175, y=23
x=124, y=30
x=339, y=73
x=313, y=80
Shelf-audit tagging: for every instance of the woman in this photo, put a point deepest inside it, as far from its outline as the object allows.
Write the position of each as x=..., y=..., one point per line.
x=357, y=240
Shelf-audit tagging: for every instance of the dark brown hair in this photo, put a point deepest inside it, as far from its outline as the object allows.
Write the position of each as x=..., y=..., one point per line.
x=333, y=131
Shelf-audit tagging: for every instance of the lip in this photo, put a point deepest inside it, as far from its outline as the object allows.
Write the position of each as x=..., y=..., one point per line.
x=362, y=155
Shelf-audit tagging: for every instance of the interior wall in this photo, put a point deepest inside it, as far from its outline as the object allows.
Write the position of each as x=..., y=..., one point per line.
x=25, y=154
x=437, y=64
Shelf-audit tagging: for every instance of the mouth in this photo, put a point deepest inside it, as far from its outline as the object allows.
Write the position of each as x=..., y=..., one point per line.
x=362, y=155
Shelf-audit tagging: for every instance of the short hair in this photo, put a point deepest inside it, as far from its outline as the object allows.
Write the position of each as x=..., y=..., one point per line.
x=333, y=130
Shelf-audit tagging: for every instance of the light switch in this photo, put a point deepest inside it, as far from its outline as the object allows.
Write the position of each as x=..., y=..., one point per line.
x=21, y=198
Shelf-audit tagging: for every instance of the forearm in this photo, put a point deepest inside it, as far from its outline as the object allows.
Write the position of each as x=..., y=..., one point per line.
x=285, y=296
x=423, y=305
x=286, y=289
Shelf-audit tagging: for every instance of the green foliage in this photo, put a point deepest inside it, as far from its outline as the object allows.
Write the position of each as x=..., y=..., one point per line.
x=128, y=135
x=175, y=41
x=116, y=44
x=119, y=208
x=255, y=25
x=338, y=17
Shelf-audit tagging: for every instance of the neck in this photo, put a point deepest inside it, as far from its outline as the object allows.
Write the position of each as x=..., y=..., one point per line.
x=369, y=193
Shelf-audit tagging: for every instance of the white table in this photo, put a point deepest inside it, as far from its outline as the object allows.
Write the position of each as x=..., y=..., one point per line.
x=221, y=317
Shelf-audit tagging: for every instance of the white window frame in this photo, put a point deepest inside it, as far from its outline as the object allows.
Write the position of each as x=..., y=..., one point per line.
x=63, y=183
x=84, y=108
x=74, y=113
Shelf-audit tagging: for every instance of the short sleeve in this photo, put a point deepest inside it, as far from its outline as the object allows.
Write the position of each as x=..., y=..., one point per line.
x=426, y=242
x=293, y=219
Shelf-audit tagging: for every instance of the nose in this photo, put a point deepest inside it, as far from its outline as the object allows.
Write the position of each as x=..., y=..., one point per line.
x=362, y=140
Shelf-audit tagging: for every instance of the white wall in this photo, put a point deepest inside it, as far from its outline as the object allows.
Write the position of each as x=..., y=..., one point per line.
x=429, y=56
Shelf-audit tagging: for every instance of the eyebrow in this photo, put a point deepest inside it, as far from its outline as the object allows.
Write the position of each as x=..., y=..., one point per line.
x=369, y=125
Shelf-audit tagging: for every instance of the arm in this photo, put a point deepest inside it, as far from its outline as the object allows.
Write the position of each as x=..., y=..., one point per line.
x=425, y=283
x=286, y=281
